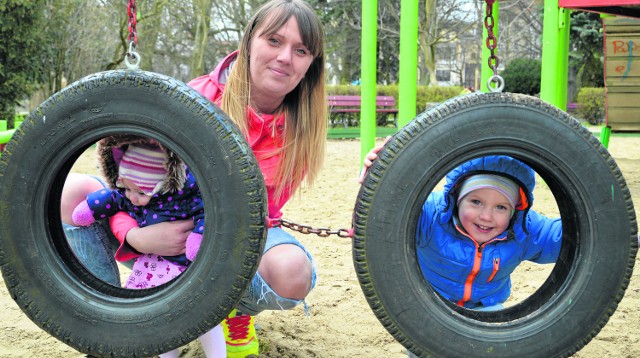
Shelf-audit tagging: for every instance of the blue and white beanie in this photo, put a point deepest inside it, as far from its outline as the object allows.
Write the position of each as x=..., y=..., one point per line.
x=499, y=183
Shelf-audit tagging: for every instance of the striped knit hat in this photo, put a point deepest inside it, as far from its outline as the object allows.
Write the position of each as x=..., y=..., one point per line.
x=499, y=183
x=144, y=166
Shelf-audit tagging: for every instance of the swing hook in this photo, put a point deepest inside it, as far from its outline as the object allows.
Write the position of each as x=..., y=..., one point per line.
x=133, y=54
x=498, y=81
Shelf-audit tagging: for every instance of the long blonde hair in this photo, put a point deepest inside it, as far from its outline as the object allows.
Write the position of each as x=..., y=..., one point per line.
x=304, y=107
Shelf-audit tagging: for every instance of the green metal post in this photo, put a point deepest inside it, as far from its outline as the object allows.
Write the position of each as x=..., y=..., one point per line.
x=564, y=20
x=555, y=54
x=485, y=71
x=605, y=133
x=368, y=56
x=5, y=136
x=408, y=73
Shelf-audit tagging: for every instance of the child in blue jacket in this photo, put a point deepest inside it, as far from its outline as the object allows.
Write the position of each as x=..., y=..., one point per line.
x=473, y=234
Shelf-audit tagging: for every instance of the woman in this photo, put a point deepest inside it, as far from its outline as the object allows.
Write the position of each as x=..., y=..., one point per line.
x=272, y=87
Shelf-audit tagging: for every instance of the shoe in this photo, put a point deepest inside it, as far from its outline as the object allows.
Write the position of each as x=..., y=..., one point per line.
x=240, y=335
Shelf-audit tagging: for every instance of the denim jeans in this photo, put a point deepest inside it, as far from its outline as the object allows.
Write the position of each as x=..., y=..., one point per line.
x=259, y=296
x=94, y=247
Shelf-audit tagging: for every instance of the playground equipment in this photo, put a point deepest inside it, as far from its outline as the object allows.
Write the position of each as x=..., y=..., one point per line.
x=5, y=134
x=598, y=220
x=628, y=8
x=4, y=137
x=61, y=296
x=556, y=320
x=555, y=38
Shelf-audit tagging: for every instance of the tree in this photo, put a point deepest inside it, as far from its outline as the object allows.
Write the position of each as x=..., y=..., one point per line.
x=20, y=39
x=78, y=39
x=522, y=75
x=585, y=38
x=342, y=22
x=185, y=39
x=196, y=34
x=442, y=23
x=202, y=21
x=520, y=30
x=151, y=26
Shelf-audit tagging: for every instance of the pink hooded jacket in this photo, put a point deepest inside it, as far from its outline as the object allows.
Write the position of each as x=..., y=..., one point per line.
x=263, y=138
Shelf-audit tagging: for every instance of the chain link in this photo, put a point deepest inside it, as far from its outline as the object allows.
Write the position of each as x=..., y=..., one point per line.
x=132, y=58
x=495, y=83
x=305, y=229
x=131, y=12
x=491, y=41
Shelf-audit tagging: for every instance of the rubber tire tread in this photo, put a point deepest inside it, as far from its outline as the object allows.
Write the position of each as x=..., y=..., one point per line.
x=38, y=267
x=599, y=230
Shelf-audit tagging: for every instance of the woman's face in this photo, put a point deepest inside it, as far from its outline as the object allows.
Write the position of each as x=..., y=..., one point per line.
x=278, y=62
x=484, y=214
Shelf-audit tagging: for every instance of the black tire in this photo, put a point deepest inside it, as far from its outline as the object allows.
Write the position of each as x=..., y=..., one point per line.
x=41, y=272
x=599, y=230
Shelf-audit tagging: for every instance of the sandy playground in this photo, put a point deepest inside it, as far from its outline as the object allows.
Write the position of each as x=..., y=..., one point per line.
x=341, y=323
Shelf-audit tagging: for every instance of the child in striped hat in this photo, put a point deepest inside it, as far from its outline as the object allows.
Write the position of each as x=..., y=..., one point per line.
x=152, y=185
x=142, y=168
x=147, y=179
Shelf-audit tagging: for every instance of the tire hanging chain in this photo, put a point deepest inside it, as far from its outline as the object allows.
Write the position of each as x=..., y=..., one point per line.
x=132, y=54
x=492, y=44
x=305, y=229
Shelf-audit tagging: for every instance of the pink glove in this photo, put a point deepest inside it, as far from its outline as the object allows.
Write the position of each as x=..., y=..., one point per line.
x=193, y=244
x=82, y=215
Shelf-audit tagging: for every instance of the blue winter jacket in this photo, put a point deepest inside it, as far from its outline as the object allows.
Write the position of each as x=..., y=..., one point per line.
x=468, y=273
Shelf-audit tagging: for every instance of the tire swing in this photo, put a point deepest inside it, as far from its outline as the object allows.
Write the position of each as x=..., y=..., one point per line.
x=599, y=230
x=41, y=272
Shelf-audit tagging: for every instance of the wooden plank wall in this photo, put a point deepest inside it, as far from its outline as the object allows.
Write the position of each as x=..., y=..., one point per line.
x=622, y=73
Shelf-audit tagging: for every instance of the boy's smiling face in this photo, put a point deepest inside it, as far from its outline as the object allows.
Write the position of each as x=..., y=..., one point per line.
x=484, y=214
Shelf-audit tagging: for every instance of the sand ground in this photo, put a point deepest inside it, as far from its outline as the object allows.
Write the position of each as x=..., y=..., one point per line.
x=341, y=323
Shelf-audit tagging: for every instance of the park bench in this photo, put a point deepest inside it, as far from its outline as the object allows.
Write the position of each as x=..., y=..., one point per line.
x=340, y=108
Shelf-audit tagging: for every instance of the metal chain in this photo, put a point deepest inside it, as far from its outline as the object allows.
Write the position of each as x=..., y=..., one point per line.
x=131, y=11
x=132, y=54
x=492, y=44
x=491, y=41
x=305, y=229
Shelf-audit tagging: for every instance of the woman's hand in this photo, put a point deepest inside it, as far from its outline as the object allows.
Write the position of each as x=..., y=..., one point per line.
x=370, y=157
x=164, y=239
